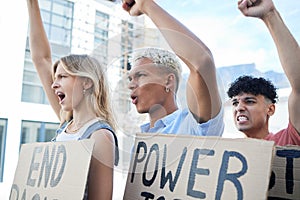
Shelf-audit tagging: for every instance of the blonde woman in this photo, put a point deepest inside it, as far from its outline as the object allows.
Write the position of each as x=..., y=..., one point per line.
x=77, y=90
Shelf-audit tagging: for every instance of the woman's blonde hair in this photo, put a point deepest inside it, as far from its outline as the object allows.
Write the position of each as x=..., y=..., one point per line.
x=88, y=67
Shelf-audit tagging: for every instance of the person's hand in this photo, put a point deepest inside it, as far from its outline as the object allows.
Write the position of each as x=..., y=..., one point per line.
x=132, y=7
x=256, y=8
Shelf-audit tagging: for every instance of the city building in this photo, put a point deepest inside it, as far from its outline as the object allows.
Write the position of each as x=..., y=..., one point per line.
x=97, y=27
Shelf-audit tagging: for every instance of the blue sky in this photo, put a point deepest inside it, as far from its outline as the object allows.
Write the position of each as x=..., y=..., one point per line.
x=232, y=37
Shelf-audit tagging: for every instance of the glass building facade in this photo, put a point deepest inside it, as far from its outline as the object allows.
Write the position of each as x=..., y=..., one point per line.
x=79, y=27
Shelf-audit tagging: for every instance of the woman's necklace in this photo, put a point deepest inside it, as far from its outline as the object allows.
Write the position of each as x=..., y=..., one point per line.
x=78, y=128
x=73, y=131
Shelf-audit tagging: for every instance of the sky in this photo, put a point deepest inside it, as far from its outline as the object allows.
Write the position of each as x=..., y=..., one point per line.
x=232, y=37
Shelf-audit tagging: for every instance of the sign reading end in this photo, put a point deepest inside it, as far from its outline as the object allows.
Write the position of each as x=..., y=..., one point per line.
x=46, y=170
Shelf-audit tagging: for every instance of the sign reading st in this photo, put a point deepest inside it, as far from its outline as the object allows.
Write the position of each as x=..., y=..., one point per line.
x=285, y=176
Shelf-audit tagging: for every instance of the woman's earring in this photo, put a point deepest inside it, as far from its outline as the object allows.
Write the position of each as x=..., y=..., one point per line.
x=84, y=91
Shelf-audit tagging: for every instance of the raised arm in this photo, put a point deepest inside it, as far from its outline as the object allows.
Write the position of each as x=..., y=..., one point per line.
x=287, y=48
x=41, y=52
x=202, y=92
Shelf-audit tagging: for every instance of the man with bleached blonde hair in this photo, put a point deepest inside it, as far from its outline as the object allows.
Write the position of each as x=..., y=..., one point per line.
x=155, y=76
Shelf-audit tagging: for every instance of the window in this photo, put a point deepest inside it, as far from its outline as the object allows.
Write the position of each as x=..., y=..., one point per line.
x=126, y=44
x=32, y=90
x=3, y=126
x=101, y=36
x=37, y=131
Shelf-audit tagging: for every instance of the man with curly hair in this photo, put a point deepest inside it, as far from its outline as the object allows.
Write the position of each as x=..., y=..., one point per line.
x=253, y=99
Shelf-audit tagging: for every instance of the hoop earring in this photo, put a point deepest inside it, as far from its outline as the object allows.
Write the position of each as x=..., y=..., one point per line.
x=167, y=89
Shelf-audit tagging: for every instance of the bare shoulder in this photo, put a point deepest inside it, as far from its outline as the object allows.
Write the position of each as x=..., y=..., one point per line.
x=103, y=136
x=104, y=147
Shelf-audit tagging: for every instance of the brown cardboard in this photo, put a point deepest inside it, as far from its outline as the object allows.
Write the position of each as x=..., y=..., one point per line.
x=285, y=179
x=52, y=170
x=199, y=167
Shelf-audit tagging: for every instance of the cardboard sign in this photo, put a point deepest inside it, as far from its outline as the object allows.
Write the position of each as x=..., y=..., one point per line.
x=285, y=178
x=190, y=167
x=52, y=170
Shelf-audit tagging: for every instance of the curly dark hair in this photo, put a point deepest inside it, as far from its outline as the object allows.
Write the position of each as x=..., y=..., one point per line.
x=252, y=85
